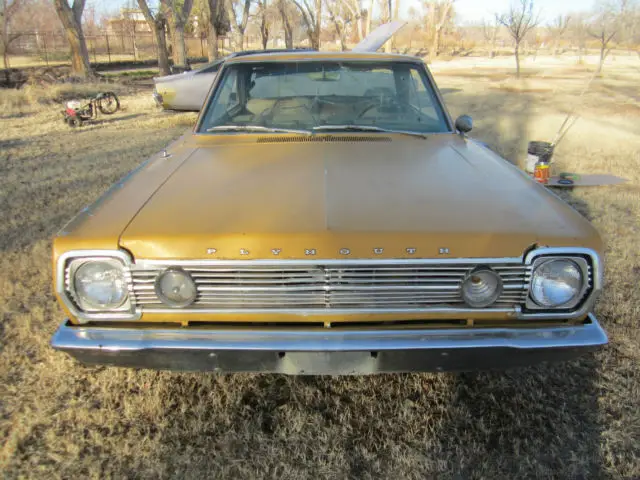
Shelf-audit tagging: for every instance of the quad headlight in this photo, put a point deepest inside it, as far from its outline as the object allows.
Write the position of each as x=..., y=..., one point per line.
x=556, y=283
x=95, y=285
x=99, y=285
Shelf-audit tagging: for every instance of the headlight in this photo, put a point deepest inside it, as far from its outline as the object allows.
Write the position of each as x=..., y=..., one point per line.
x=556, y=283
x=100, y=285
x=481, y=287
x=176, y=288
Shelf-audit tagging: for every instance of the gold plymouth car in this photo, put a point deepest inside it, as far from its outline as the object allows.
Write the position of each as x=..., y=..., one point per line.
x=326, y=216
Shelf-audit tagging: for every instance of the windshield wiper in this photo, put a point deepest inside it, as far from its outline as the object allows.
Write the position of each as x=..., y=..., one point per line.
x=255, y=128
x=367, y=128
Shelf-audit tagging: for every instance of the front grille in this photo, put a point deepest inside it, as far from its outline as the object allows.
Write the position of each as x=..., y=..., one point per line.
x=291, y=286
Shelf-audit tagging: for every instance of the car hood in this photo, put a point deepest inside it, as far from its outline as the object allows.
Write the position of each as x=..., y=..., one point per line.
x=246, y=197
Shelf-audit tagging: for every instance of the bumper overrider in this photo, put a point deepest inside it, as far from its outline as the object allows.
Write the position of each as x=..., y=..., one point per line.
x=327, y=351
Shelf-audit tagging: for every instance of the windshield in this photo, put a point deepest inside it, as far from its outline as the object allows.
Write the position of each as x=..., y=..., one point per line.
x=324, y=96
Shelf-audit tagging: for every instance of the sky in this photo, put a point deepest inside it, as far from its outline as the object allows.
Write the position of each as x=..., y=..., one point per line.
x=467, y=11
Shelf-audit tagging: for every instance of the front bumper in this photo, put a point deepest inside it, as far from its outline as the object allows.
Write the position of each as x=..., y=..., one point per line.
x=330, y=351
x=157, y=98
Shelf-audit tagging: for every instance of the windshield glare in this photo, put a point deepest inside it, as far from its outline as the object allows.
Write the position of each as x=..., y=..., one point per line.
x=304, y=95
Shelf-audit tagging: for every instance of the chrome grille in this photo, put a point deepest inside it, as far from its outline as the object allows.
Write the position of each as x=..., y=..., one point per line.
x=330, y=286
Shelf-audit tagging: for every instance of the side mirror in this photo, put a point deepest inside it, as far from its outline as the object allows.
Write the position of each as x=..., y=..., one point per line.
x=464, y=124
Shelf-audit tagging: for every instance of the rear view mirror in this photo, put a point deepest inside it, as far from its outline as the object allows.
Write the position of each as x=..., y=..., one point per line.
x=324, y=76
x=464, y=123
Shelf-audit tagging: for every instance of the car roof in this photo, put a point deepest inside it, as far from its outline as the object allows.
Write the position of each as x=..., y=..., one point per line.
x=269, y=50
x=314, y=55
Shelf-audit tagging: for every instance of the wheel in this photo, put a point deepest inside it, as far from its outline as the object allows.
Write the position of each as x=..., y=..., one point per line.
x=108, y=103
x=74, y=122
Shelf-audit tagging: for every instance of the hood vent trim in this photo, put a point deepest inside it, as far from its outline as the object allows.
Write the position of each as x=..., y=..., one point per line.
x=322, y=139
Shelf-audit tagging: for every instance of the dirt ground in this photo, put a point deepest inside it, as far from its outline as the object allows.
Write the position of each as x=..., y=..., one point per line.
x=575, y=420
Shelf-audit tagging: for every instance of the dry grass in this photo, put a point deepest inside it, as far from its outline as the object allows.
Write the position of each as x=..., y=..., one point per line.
x=59, y=419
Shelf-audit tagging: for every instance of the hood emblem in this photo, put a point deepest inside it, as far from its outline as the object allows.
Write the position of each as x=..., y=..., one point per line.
x=211, y=251
x=411, y=251
x=276, y=251
x=311, y=251
x=244, y=251
x=378, y=251
x=443, y=251
x=345, y=251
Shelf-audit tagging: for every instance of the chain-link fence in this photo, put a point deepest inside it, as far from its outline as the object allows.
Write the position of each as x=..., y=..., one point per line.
x=34, y=48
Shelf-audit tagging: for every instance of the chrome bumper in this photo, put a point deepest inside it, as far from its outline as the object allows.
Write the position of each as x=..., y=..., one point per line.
x=157, y=98
x=331, y=351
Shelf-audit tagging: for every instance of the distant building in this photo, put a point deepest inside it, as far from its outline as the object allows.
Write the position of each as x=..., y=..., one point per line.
x=130, y=20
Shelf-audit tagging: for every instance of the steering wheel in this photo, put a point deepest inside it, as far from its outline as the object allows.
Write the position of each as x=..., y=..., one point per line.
x=384, y=102
x=263, y=116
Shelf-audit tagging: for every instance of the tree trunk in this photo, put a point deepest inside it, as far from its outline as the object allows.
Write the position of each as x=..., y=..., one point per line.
x=179, y=46
x=341, y=36
x=318, y=26
x=212, y=34
x=369, y=18
x=359, y=28
x=5, y=37
x=288, y=33
x=435, y=46
x=161, y=40
x=286, y=24
x=315, y=42
x=71, y=18
x=516, y=52
x=602, y=57
x=492, y=54
x=240, y=40
x=212, y=42
x=157, y=25
x=264, y=33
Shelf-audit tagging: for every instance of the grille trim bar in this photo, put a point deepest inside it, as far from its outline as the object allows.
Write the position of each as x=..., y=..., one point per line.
x=349, y=286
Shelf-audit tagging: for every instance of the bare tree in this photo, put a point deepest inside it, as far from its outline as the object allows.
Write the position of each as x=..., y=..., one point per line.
x=557, y=29
x=441, y=14
x=218, y=25
x=357, y=13
x=71, y=18
x=179, y=12
x=284, y=9
x=8, y=8
x=265, y=16
x=311, y=11
x=340, y=16
x=369, y=18
x=239, y=10
x=606, y=26
x=578, y=33
x=490, y=33
x=158, y=24
x=520, y=20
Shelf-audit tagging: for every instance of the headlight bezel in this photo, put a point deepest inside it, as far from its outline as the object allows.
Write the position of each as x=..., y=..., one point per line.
x=590, y=266
x=66, y=266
